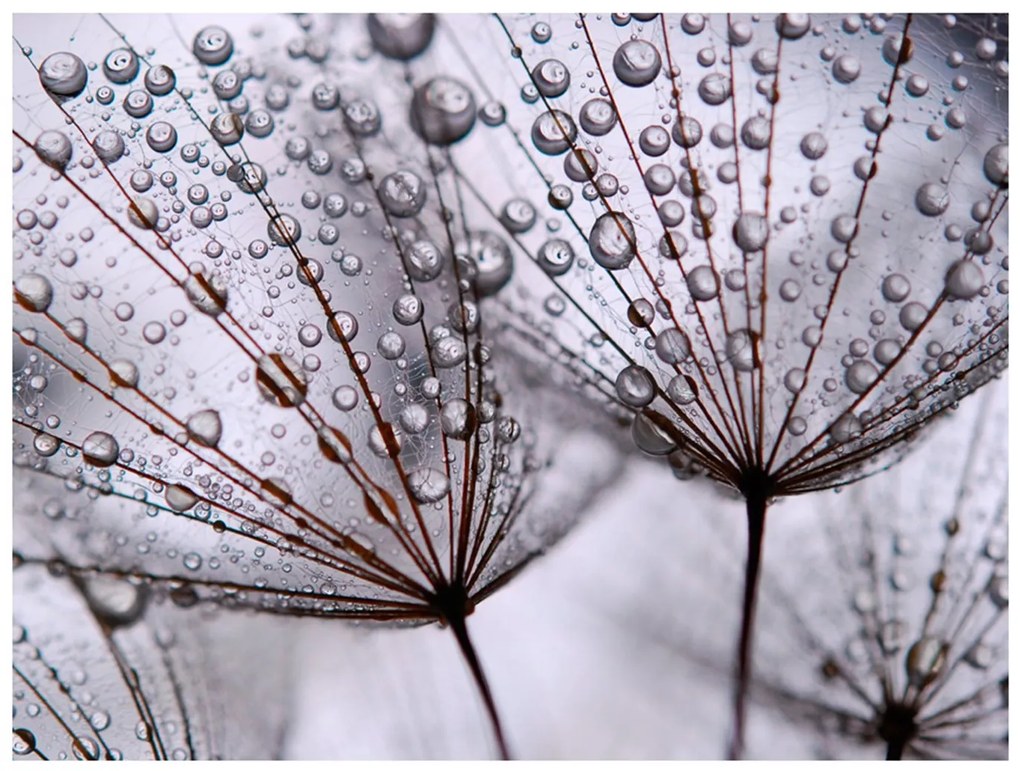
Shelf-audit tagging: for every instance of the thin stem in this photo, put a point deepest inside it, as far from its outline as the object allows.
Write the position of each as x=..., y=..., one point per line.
x=458, y=626
x=894, y=750
x=757, y=503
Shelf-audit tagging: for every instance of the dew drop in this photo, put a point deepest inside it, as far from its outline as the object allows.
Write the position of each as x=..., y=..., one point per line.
x=401, y=36
x=612, y=241
x=964, y=280
x=635, y=386
x=637, y=63
x=100, y=449
x=63, y=74
x=428, y=485
x=443, y=111
x=212, y=45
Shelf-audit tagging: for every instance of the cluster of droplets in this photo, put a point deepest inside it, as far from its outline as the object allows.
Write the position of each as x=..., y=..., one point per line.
x=285, y=347
x=795, y=235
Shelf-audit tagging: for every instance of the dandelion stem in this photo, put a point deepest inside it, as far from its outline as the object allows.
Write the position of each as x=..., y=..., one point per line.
x=757, y=503
x=458, y=625
x=894, y=751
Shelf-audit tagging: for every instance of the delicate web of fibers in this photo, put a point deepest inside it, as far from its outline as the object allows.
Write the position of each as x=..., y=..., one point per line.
x=686, y=465
x=218, y=400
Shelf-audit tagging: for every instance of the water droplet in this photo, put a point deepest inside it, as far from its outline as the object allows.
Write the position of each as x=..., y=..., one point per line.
x=553, y=132
x=492, y=259
x=109, y=146
x=597, y=117
x=160, y=80
x=964, y=280
x=205, y=428
x=33, y=292
x=925, y=661
x=996, y=164
x=932, y=199
x=280, y=380
x=742, y=350
x=401, y=36
x=443, y=111
x=814, y=145
x=402, y=194
x=518, y=215
x=63, y=74
x=457, y=419
x=750, y=232
x=714, y=89
x=100, y=449
x=703, y=283
x=635, y=386
x=213, y=45
x=612, y=241
x=637, y=63
x=54, y=149
x=860, y=376
x=120, y=66
x=672, y=346
x=551, y=78
x=428, y=485
x=179, y=498
x=846, y=69
x=756, y=133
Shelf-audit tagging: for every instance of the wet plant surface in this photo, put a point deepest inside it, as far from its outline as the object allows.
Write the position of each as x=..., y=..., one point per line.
x=339, y=317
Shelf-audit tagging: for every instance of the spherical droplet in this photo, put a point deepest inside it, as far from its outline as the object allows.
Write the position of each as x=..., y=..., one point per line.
x=109, y=146
x=750, y=232
x=672, y=346
x=555, y=256
x=54, y=149
x=280, y=380
x=932, y=199
x=860, y=376
x=612, y=241
x=553, y=132
x=100, y=449
x=597, y=117
x=551, y=78
x=63, y=74
x=33, y=292
x=120, y=66
x=895, y=287
x=742, y=350
x=492, y=258
x=401, y=36
x=457, y=419
x=428, y=485
x=443, y=111
x=964, y=280
x=703, y=283
x=402, y=193
x=814, y=145
x=637, y=63
x=213, y=45
x=179, y=498
x=205, y=428
x=846, y=69
x=996, y=164
x=635, y=386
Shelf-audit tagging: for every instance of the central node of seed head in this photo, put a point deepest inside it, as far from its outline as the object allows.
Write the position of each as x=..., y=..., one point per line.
x=756, y=484
x=452, y=602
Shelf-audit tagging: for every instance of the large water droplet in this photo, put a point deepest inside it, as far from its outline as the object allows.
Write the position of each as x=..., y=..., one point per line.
x=100, y=449
x=443, y=111
x=637, y=63
x=205, y=428
x=428, y=485
x=401, y=35
x=612, y=241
